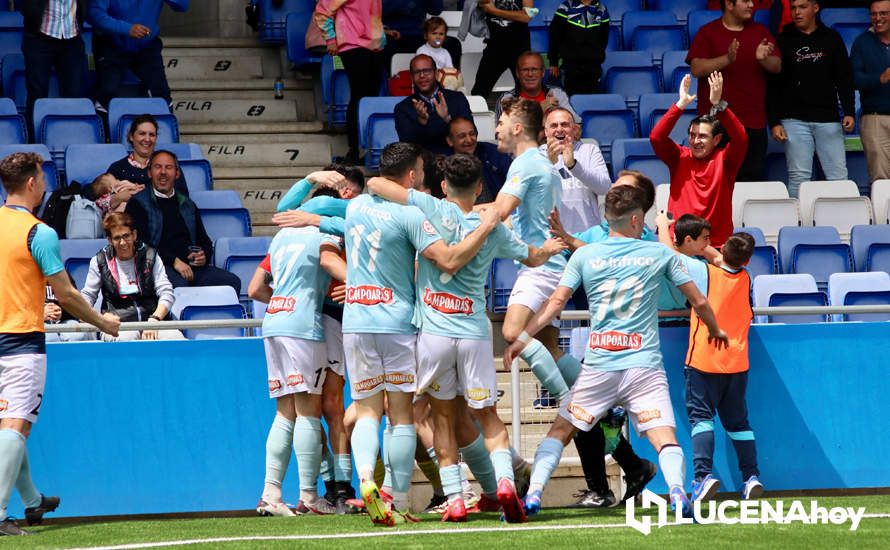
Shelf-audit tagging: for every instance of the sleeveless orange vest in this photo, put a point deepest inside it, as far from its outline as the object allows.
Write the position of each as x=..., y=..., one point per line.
x=730, y=297
x=22, y=284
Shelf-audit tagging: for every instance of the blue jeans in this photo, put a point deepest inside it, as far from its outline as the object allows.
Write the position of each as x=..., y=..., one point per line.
x=826, y=139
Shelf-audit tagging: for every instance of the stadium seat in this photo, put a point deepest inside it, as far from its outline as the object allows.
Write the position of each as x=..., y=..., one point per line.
x=605, y=118
x=197, y=173
x=832, y=16
x=637, y=154
x=207, y=313
x=185, y=296
x=857, y=169
x=373, y=107
x=334, y=89
x=83, y=162
x=78, y=268
x=673, y=69
x=122, y=111
x=11, y=30
x=59, y=122
x=759, y=239
x=862, y=237
x=547, y=9
x=617, y=9
x=764, y=261
x=654, y=32
x=770, y=215
x=76, y=255
x=654, y=106
x=241, y=256
x=183, y=151
x=817, y=299
x=295, y=25
x=821, y=260
x=50, y=172
x=840, y=284
x=226, y=222
x=697, y=19
x=792, y=237
x=540, y=38
x=747, y=190
x=811, y=190
x=12, y=124
x=849, y=33
x=867, y=298
x=878, y=257
x=400, y=62
x=273, y=18
x=775, y=165
x=842, y=213
x=477, y=104
x=216, y=199
x=503, y=276
x=486, y=123
x=680, y=8
x=258, y=310
x=630, y=74
x=765, y=286
x=880, y=201
x=662, y=195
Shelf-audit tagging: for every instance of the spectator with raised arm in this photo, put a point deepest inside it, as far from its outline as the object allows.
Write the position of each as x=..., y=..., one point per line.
x=744, y=52
x=703, y=174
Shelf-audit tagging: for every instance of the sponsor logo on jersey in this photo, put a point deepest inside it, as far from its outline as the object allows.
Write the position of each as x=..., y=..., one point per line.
x=274, y=385
x=368, y=383
x=621, y=261
x=368, y=295
x=374, y=213
x=428, y=228
x=579, y=413
x=446, y=303
x=648, y=415
x=399, y=378
x=615, y=341
x=294, y=380
x=478, y=394
x=280, y=304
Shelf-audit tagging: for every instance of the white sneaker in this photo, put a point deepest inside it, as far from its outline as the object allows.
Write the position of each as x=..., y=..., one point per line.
x=264, y=508
x=320, y=506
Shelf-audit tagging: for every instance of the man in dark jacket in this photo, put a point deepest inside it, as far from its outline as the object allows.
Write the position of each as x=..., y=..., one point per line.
x=463, y=138
x=579, y=34
x=423, y=118
x=871, y=73
x=802, y=99
x=170, y=222
x=52, y=39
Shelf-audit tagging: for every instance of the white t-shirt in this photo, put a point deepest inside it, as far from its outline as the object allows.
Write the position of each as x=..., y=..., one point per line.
x=440, y=56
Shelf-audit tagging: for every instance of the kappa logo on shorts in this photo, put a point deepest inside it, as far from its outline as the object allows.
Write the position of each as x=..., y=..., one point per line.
x=369, y=295
x=579, y=413
x=446, y=303
x=368, y=383
x=280, y=304
x=478, y=394
x=294, y=380
x=428, y=228
x=399, y=378
x=274, y=385
x=615, y=341
x=648, y=415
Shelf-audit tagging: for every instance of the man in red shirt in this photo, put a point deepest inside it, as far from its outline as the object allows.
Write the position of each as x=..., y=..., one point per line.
x=703, y=175
x=744, y=51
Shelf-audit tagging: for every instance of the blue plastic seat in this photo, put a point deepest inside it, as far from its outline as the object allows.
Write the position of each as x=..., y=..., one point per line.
x=78, y=268
x=878, y=257
x=821, y=261
x=122, y=111
x=50, y=172
x=761, y=16
x=13, y=72
x=227, y=247
x=334, y=89
x=798, y=299
x=546, y=10
x=83, y=162
x=11, y=30
x=680, y=8
x=792, y=237
x=617, y=9
x=765, y=286
x=637, y=153
x=226, y=222
x=60, y=122
x=657, y=39
x=857, y=170
x=630, y=74
x=604, y=117
x=867, y=298
x=849, y=33
x=503, y=277
x=381, y=132
x=540, y=38
x=12, y=123
x=273, y=18
x=206, y=313
x=764, y=261
x=639, y=18
x=698, y=19
x=197, y=173
x=183, y=151
x=840, y=285
x=76, y=255
x=833, y=16
x=226, y=198
x=862, y=237
x=756, y=232
x=296, y=25
x=654, y=106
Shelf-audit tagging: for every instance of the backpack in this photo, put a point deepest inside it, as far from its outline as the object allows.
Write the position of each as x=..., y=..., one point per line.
x=55, y=214
x=84, y=220
x=401, y=84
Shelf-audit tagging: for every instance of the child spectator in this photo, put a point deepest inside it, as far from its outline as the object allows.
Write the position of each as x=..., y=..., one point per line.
x=716, y=379
x=434, y=30
x=111, y=193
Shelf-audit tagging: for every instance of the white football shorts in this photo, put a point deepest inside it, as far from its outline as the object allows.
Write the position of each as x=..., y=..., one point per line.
x=448, y=367
x=295, y=365
x=22, y=378
x=377, y=362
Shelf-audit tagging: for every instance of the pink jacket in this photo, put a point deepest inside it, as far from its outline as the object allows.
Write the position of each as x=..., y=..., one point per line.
x=356, y=23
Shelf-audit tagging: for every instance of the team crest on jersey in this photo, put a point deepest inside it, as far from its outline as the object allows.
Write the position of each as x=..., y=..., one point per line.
x=648, y=415
x=399, y=378
x=368, y=383
x=428, y=228
x=615, y=341
x=446, y=303
x=280, y=304
x=368, y=295
x=274, y=385
x=579, y=413
x=294, y=380
x=478, y=394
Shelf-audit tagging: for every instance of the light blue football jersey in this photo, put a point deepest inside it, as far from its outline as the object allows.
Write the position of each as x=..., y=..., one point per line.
x=381, y=240
x=536, y=184
x=454, y=306
x=621, y=277
x=300, y=284
x=671, y=297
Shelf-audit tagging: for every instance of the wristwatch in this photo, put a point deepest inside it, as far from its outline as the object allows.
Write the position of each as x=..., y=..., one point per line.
x=719, y=106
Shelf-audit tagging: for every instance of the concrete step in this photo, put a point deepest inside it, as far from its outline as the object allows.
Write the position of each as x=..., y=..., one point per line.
x=266, y=184
x=249, y=127
x=226, y=49
x=265, y=92
x=266, y=154
x=263, y=230
x=235, y=65
x=262, y=172
x=266, y=84
x=292, y=138
x=242, y=111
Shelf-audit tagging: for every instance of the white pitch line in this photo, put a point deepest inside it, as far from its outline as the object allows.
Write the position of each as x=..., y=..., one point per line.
x=373, y=534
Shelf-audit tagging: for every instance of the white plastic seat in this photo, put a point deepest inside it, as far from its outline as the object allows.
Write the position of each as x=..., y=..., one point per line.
x=469, y=66
x=842, y=213
x=764, y=286
x=745, y=190
x=477, y=104
x=880, y=200
x=184, y=296
x=770, y=215
x=400, y=62
x=811, y=190
x=485, y=125
x=839, y=284
x=662, y=194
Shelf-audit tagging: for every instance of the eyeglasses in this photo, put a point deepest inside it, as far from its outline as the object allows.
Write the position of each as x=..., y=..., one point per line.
x=423, y=72
x=879, y=14
x=121, y=238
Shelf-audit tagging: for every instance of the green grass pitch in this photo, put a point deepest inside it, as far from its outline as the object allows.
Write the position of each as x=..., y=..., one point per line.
x=554, y=528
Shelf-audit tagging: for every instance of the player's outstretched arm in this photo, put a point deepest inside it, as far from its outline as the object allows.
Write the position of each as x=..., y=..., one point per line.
x=331, y=262
x=72, y=302
x=388, y=190
x=553, y=307
x=701, y=306
x=451, y=258
x=558, y=231
x=539, y=255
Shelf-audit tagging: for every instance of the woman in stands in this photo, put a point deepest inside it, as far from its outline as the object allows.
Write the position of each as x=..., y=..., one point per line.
x=131, y=278
x=143, y=138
